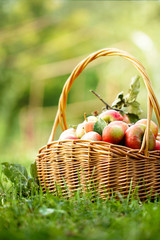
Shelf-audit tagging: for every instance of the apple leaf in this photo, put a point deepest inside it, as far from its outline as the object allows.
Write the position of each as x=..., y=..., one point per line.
x=134, y=108
x=128, y=103
x=99, y=126
x=133, y=117
x=119, y=101
x=133, y=90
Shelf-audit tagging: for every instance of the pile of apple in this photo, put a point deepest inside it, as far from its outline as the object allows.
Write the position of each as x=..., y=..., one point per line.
x=110, y=126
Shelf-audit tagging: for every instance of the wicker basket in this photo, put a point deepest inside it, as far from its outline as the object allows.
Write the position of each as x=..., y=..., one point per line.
x=99, y=167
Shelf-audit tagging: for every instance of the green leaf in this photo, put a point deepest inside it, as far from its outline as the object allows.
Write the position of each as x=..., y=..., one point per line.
x=134, y=108
x=119, y=101
x=16, y=173
x=44, y=211
x=127, y=103
x=99, y=126
x=133, y=117
x=33, y=170
x=133, y=90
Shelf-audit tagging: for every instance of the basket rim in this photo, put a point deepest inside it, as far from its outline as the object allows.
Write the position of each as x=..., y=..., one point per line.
x=102, y=144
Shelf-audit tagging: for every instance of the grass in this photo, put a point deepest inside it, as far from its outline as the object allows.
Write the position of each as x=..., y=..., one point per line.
x=49, y=217
x=44, y=216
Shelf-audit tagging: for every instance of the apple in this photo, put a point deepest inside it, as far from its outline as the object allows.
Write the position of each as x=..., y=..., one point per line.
x=89, y=123
x=68, y=137
x=157, y=147
x=134, y=137
x=111, y=115
x=92, y=136
x=126, y=118
x=153, y=126
x=69, y=131
x=113, y=132
x=80, y=130
x=86, y=126
x=121, y=124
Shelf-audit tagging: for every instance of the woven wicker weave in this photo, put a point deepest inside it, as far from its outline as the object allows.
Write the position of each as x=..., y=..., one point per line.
x=100, y=167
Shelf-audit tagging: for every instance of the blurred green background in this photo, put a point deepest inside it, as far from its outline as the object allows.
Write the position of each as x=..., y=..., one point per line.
x=40, y=44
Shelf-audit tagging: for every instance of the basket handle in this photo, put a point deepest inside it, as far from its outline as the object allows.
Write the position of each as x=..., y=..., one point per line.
x=152, y=100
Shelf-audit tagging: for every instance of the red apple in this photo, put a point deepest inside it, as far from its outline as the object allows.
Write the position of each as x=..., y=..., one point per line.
x=153, y=126
x=88, y=126
x=121, y=124
x=92, y=136
x=126, y=118
x=113, y=133
x=134, y=137
x=111, y=115
x=89, y=123
x=68, y=136
x=69, y=131
x=157, y=147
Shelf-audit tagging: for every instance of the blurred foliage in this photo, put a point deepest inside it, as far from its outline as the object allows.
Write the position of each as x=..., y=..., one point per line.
x=42, y=41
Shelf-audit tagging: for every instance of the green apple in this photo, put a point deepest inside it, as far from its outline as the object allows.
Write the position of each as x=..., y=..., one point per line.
x=80, y=130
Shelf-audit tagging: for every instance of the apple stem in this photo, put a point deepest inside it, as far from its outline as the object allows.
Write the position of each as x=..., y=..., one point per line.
x=106, y=104
x=85, y=117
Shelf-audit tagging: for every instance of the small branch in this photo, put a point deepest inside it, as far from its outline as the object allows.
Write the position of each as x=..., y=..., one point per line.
x=106, y=104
